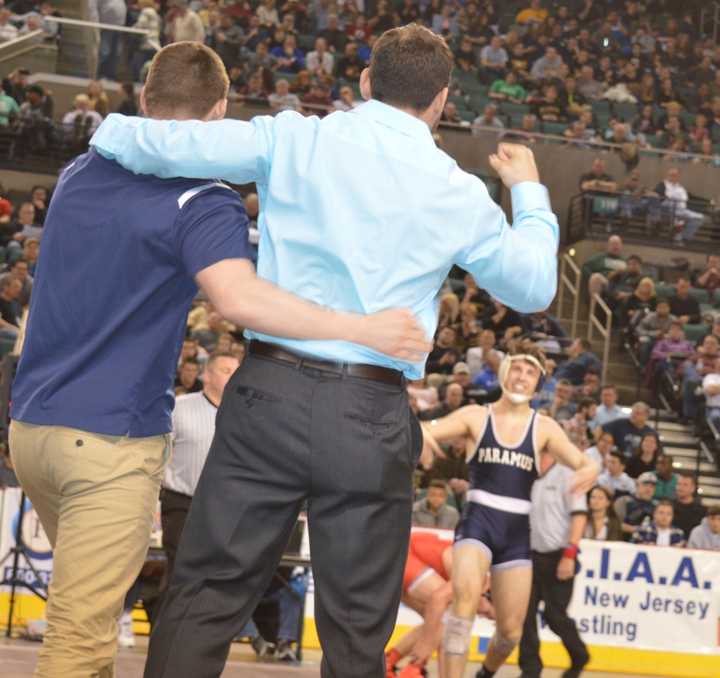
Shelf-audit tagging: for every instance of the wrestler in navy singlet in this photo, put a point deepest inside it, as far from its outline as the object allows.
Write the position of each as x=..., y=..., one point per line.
x=496, y=515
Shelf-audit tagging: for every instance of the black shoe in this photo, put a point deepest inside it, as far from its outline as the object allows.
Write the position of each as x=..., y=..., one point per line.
x=575, y=670
x=285, y=652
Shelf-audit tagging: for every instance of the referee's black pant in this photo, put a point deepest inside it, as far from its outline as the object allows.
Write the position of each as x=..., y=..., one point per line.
x=285, y=434
x=556, y=595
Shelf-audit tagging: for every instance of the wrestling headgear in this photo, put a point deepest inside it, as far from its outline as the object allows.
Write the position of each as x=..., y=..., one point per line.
x=519, y=398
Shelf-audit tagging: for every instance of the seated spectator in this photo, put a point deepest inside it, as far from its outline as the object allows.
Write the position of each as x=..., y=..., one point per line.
x=268, y=14
x=35, y=119
x=433, y=510
x=24, y=227
x=614, y=477
x=660, y=531
x=711, y=390
x=688, y=510
x=708, y=277
x=493, y=60
x=503, y=321
x=320, y=60
x=562, y=407
x=9, y=109
x=10, y=309
x=666, y=479
x=672, y=346
x=608, y=410
x=548, y=108
x=461, y=376
x=535, y=14
x=701, y=364
x=450, y=114
x=454, y=397
x=187, y=380
x=488, y=118
x=597, y=179
x=644, y=458
x=452, y=470
x=468, y=328
x=548, y=66
x=644, y=124
x=653, y=326
x=302, y=83
x=80, y=123
x=640, y=303
x=590, y=388
x=290, y=58
x=683, y=305
x=478, y=356
x=18, y=269
x=577, y=427
x=622, y=282
x=674, y=202
x=545, y=397
x=282, y=99
x=706, y=536
x=508, y=89
x=8, y=31
x=598, y=267
x=226, y=38
x=637, y=511
x=445, y=354
x=350, y=65
x=334, y=36
x=149, y=20
x=603, y=524
x=600, y=450
x=445, y=22
x=545, y=330
x=628, y=433
x=590, y=88
x=346, y=101
x=581, y=359
x=317, y=100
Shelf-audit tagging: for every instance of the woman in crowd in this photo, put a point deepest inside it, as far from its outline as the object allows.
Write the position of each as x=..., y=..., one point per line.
x=603, y=524
x=644, y=457
x=641, y=301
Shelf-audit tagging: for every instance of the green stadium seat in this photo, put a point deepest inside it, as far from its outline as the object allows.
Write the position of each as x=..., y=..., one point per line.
x=664, y=290
x=509, y=108
x=694, y=333
x=459, y=100
x=479, y=101
x=466, y=114
x=554, y=127
x=701, y=295
x=626, y=110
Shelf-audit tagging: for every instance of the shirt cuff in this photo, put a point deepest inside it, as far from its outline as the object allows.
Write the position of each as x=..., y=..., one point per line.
x=529, y=195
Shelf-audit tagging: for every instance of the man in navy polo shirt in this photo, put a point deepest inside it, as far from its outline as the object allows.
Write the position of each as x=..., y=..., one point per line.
x=93, y=394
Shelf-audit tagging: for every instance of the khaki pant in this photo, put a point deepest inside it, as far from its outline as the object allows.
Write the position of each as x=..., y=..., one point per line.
x=95, y=496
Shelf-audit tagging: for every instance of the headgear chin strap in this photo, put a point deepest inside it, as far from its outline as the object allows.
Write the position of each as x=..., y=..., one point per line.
x=519, y=398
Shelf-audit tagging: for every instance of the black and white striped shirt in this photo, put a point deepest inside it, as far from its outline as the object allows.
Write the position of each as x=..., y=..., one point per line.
x=193, y=431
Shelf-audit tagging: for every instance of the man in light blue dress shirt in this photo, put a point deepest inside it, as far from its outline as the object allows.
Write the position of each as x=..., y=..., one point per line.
x=360, y=211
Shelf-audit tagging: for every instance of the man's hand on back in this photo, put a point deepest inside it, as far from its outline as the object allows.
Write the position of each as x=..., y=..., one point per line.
x=396, y=333
x=514, y=163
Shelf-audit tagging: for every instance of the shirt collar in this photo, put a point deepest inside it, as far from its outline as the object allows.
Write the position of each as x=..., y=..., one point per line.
x=394, y=118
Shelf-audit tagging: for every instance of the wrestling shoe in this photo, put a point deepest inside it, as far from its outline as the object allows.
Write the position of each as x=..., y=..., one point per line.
x=575, y=670
x=126, y=637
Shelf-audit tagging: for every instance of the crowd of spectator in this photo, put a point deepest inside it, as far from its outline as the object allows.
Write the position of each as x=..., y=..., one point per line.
x=635, y=73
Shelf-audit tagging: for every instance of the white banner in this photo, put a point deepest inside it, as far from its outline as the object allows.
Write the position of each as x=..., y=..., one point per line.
x=36, y=543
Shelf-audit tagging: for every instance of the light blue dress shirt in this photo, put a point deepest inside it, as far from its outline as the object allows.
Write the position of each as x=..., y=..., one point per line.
x=360, y=212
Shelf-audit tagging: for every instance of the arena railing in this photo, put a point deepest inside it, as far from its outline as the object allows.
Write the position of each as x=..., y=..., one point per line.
x=573, y=288
x=604, y=329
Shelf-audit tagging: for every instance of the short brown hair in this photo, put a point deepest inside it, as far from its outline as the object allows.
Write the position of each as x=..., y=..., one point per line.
x=409, y=66
x=439, y=484
x=185, y=79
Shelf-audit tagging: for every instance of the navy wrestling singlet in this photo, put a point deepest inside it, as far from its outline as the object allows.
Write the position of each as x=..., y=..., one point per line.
x=495, y=517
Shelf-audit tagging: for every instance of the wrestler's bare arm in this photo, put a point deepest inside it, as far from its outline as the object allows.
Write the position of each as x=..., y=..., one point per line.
x=555, y=442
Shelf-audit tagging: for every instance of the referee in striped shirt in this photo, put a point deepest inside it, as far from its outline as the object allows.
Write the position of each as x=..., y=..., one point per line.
x=193, y=431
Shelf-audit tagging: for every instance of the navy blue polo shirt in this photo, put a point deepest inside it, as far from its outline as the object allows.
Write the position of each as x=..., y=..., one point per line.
x=113, y=287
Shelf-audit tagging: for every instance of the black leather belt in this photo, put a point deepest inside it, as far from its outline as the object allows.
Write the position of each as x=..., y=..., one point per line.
x=373, y=372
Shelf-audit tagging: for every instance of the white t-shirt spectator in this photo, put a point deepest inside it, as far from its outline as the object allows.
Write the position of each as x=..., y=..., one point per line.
x=495, y=57
x=189, y=26
x=676, y=193
x=8, y=32
x=284, y=102
x=93, y=117
x=475, y=360
x=712, y=380
x=622, y=484
x=313, y=62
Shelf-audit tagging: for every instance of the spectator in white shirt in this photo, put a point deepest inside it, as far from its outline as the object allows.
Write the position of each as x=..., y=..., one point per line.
x=320, y=60
x=675, y=202
x=608, y=409
x=268, y=14
x=7, y=30
x=186, y=25
x=711, y=389
x=487, y=119
x=494, y=58
x=82, y=121
x=547, y=66
x=600, y=451
x=478, y=356
x=282, y=100
x=615, y=478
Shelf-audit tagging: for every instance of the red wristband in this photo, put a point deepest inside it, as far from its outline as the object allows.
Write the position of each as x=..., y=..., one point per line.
x=571, y=551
